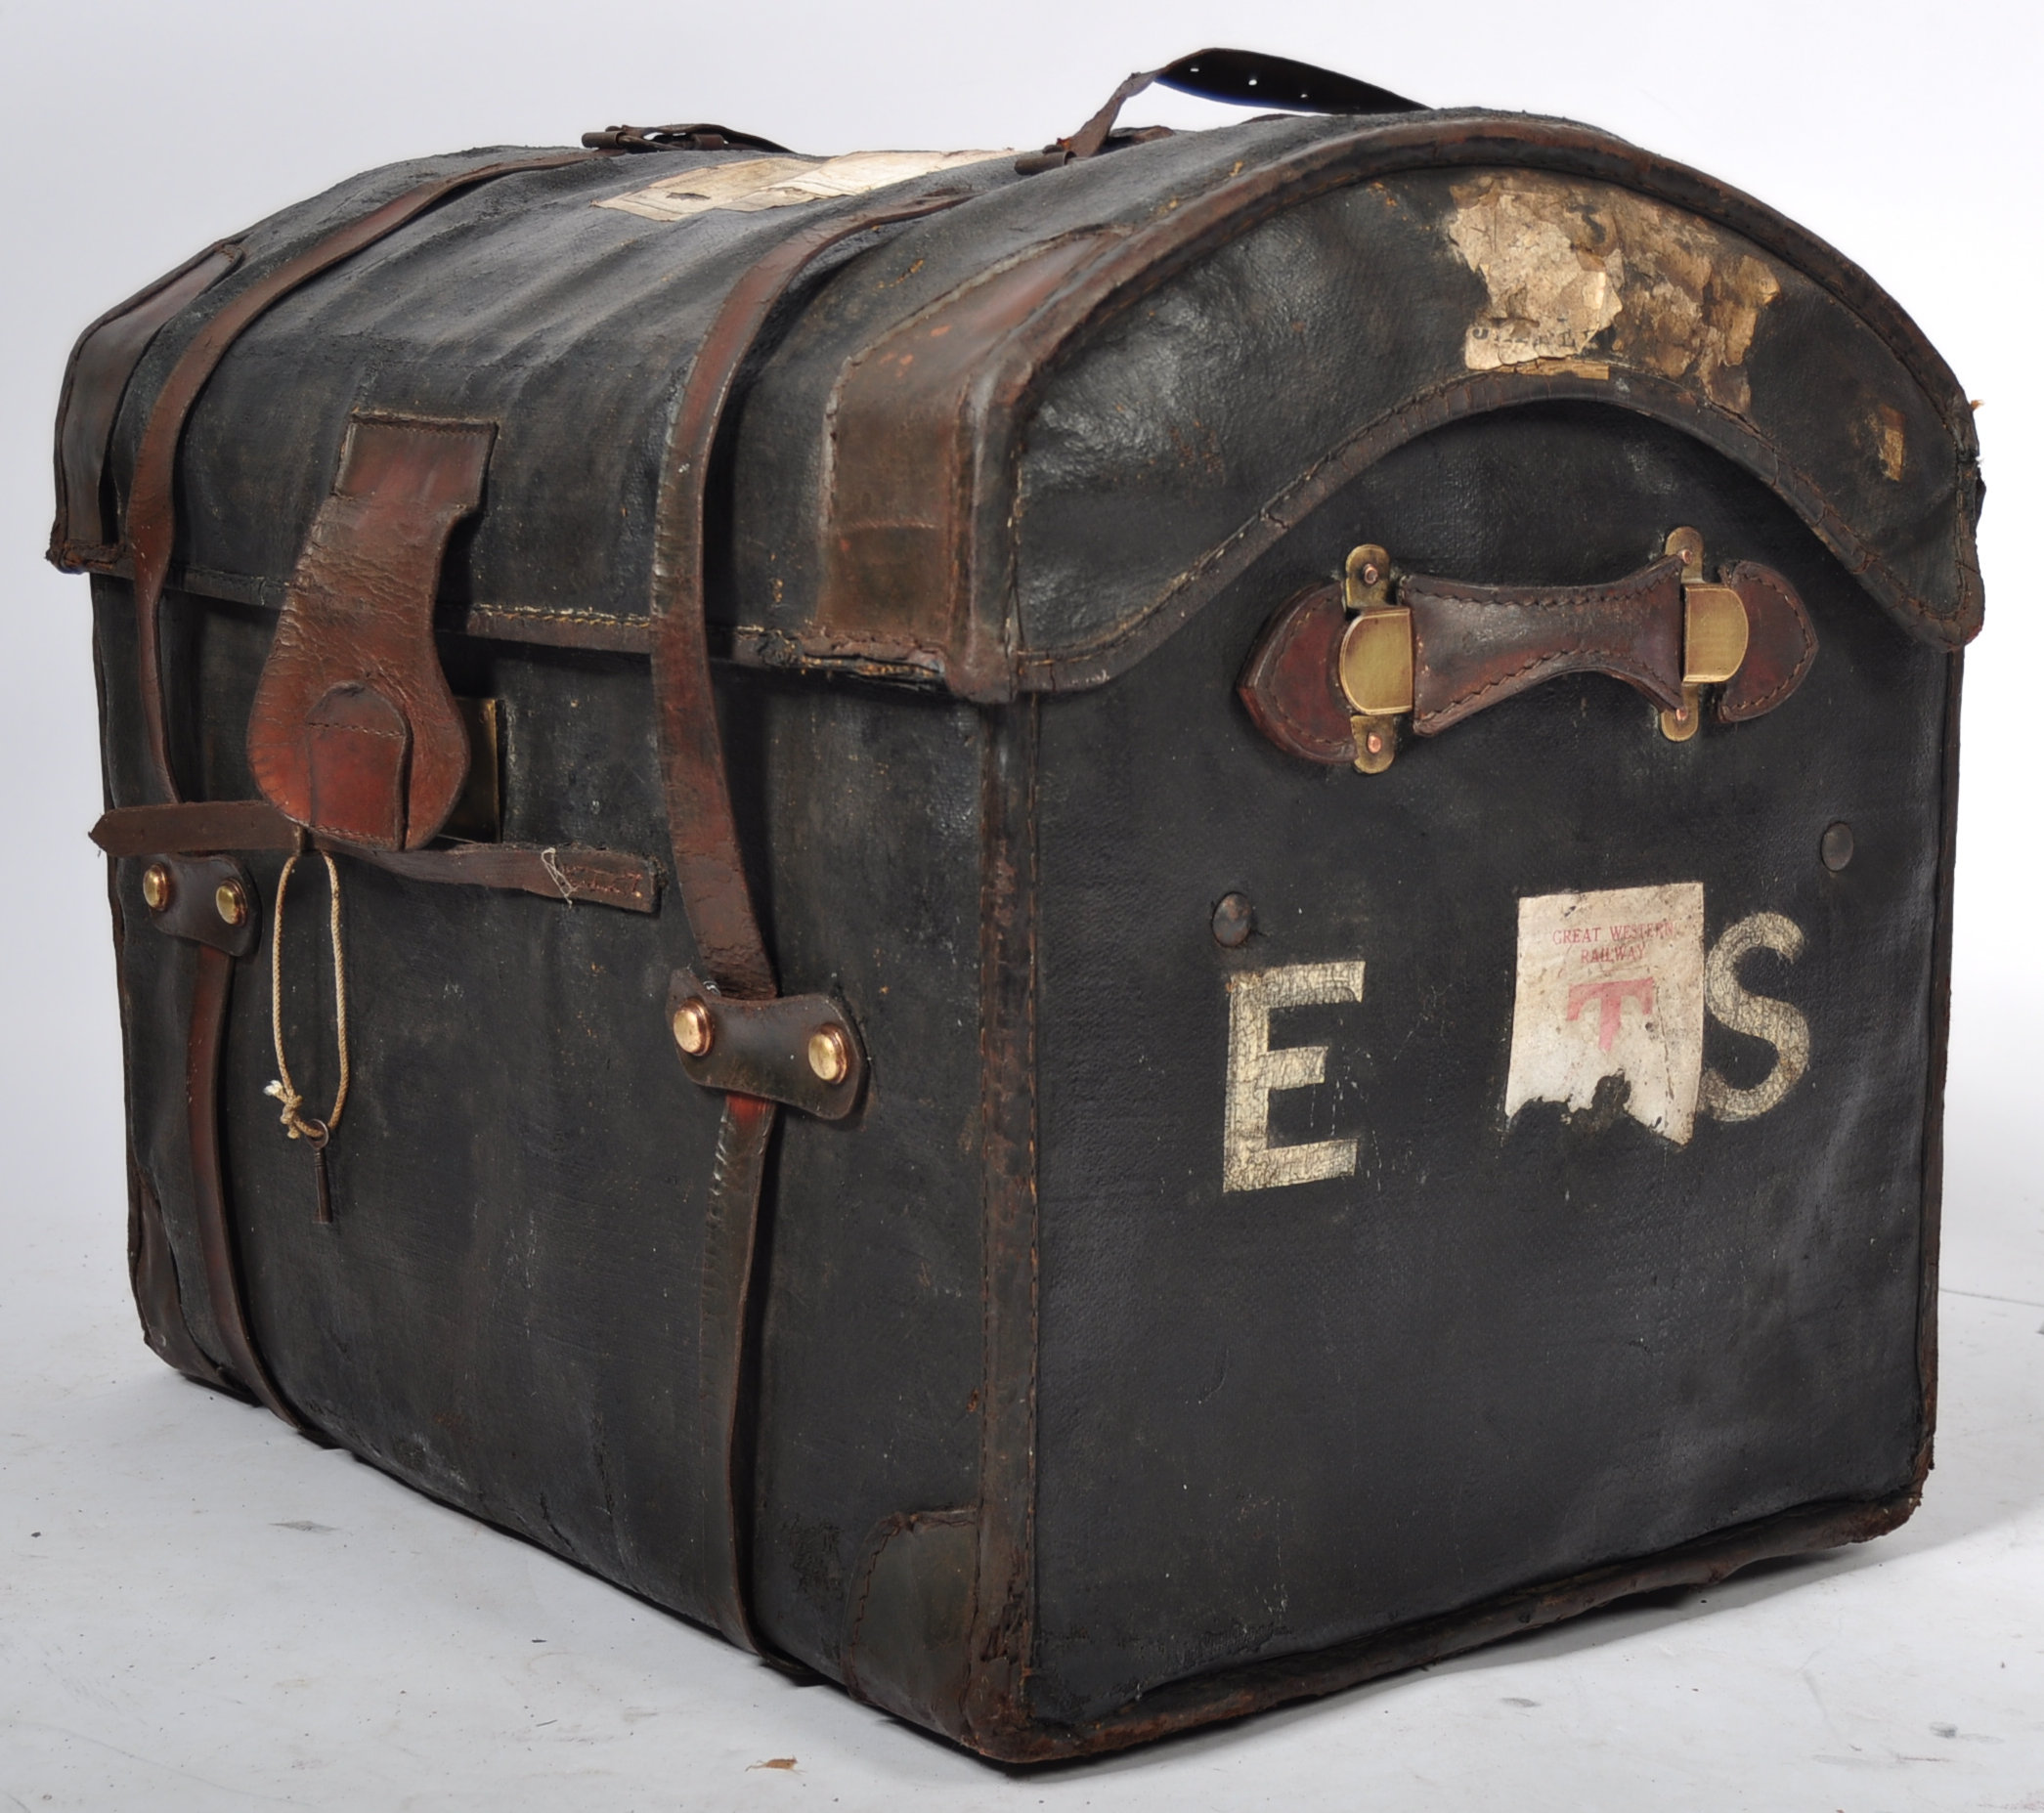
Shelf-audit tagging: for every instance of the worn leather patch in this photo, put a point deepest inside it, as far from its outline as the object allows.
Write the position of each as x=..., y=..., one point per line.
x=207, y=900
x=1292, y=686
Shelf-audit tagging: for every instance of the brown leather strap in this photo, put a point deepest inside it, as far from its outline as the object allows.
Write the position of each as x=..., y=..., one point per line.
x=710, y=877
x=213, y=980
x=1247, y=79
x=571, y=872
x=197, y=828
x=723, y=1332
x=354, y=732
x=152, y=524
x=94, y=384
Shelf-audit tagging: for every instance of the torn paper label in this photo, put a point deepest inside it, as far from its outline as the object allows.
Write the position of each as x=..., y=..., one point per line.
x=1611, y=985
x=1575, y=268
x=760, y=183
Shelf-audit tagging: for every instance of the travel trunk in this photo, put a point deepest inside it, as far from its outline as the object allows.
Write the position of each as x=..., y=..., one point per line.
x=1106, y=935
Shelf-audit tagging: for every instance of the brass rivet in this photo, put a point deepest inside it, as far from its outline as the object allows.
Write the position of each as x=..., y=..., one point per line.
x=694, y=1029
x=155, y=887
x=830, y=1056
x=230, y=903
x=1835, y=846
x=1234, y=920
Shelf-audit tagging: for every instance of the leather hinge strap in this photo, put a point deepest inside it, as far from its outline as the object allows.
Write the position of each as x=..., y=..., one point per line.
x=152, y=520
x=354, y=732
x=710, y=877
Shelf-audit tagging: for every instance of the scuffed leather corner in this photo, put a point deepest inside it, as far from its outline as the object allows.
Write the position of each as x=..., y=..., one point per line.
x=909, y=1624
x=153, y=1274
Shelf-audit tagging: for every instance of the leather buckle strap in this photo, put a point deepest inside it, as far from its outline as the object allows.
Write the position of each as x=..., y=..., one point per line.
x=151, y=535
x=710, y=877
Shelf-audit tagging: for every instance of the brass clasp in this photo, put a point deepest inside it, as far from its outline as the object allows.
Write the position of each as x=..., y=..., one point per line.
x=1713, y=635
x=1376, y=663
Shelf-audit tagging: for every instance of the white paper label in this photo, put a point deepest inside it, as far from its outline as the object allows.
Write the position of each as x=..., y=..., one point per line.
x=1611, y=985
x=761, y=182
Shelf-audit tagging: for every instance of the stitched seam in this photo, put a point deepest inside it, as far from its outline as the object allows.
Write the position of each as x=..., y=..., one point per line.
x=1608, y=663
x=525, y=614
x=1135, y=628
x=896, y=1525
x=1273, y=699
x=1619, y=592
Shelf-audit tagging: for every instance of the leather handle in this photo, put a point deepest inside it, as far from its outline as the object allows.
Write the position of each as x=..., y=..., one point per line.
x=1475, y=646
x=1247, y=79
x=1342, y=670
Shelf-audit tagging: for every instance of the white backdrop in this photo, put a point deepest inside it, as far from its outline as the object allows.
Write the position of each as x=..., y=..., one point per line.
x=198, y=1610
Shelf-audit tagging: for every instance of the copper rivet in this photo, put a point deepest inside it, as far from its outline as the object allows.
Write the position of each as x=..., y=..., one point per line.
x=155, y=887
x=1370, y=576
x=1376, y=744
x=1234, y=920
x=1835, y=846
x=1681, y=714
x=830, y=1056
x=694, y=1028
x=230, y=903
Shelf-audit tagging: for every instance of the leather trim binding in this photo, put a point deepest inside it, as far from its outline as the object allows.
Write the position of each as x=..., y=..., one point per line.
x=95, y=381
x=710, y=877
x=962, y=501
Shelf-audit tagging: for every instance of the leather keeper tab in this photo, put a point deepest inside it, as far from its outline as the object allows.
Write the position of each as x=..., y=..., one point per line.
x=355, y=733
x=781, y=1049
x=205, y=899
